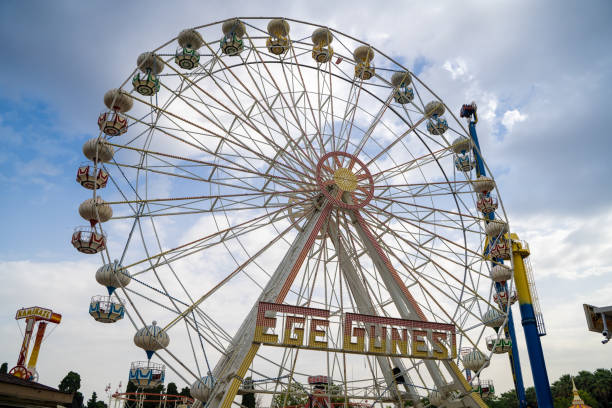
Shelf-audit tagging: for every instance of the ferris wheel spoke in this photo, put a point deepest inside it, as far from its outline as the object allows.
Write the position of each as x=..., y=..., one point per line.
x=269, y=78
x=234, y=272
x=445, y=187
x=372, y=126
x=207, y=197
x=428, y=233
x=429, y=209
x=407, y=216
x=309, y=110
x=184, y=252
x=346, y=126
x=239, y=170
x=187, y=321
x=359, y=296
x=442, y=309
x=224, y=158
x=316, y=123
x=266, y=110
x=208, y=131
x=249, y=140
x=408, y=165
x=221, y=234
x=395, y=141
x=349, y=240
x=437, y=265
x=219, y=182
x=308, y=162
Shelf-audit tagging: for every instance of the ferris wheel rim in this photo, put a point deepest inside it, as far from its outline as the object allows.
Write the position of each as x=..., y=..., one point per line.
x=370, y=176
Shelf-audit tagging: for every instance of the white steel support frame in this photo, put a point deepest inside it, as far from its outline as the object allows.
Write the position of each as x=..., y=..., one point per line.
x=409, y=309
x=227, y=370
x=365, y=306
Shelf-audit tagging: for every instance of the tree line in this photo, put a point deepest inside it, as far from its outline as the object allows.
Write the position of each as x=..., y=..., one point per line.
x=72, y=383
x=595, y=389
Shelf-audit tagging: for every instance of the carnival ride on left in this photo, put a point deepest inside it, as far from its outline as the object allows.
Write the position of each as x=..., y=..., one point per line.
x=33, y=316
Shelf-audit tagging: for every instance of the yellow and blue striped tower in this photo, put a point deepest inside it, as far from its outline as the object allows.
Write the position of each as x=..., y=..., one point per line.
x=469, y=111
x=531, y=320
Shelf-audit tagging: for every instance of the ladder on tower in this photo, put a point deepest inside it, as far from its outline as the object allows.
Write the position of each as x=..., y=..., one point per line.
x=535, y=301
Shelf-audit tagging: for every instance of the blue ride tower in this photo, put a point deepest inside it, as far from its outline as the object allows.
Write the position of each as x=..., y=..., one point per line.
x=468, y=111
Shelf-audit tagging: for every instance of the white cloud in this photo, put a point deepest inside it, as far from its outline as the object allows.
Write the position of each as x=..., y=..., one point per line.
x=511, y=117
x=457, y=68
x=569, y=253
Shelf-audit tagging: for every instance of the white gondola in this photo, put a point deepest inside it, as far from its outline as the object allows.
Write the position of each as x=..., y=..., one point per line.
x=94, y=210
x=493, y=318
x=495, y=228
x=500, y=248
x=201, y=388
x=403, y=93
x=105, y=309
x=322, y=51
x=113, y=276
x=151, y=338
x=498, y=346
x=363, y=62
x=146, y=82
x=485, y=388
x=483, y=185
x=500, y=273
x=437, y=125
x=487, y=204
x=145, y=374
x=475, y=360
x=502, y=297
x=98, y=150
x=464, y=162
x=87, y=240
x=113, y=122
x=278, y=42
x=187, y=56
x=233, y=31
x=90, y=177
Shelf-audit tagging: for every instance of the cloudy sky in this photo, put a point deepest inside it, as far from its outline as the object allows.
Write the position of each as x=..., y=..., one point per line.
x=539, y=72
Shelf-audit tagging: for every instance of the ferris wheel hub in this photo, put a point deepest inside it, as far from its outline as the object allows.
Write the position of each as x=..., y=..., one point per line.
x=345, y=180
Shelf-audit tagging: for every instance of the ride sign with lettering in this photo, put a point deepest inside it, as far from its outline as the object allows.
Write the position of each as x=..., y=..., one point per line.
x=303, y=327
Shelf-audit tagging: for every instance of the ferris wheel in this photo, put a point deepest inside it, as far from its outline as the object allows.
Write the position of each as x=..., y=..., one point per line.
x=287, y=210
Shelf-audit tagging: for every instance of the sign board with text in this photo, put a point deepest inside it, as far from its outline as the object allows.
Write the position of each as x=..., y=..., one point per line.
x=309, y=328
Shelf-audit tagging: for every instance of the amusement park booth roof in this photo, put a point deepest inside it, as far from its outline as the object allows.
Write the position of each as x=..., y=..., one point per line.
x=17, y=392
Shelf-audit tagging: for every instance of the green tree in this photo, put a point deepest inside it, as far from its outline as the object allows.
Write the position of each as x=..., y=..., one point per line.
x=336, y=393
x=530, y=395
x=153, y=399
x=94, y=403
x=71, y=383
x=602, y=387
x=171, y=389
x=506, y=400
x=248, y=398
x=185, y=392
x=4, y=368
x=294, y=394
x=594, y=388
x=130, y=388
